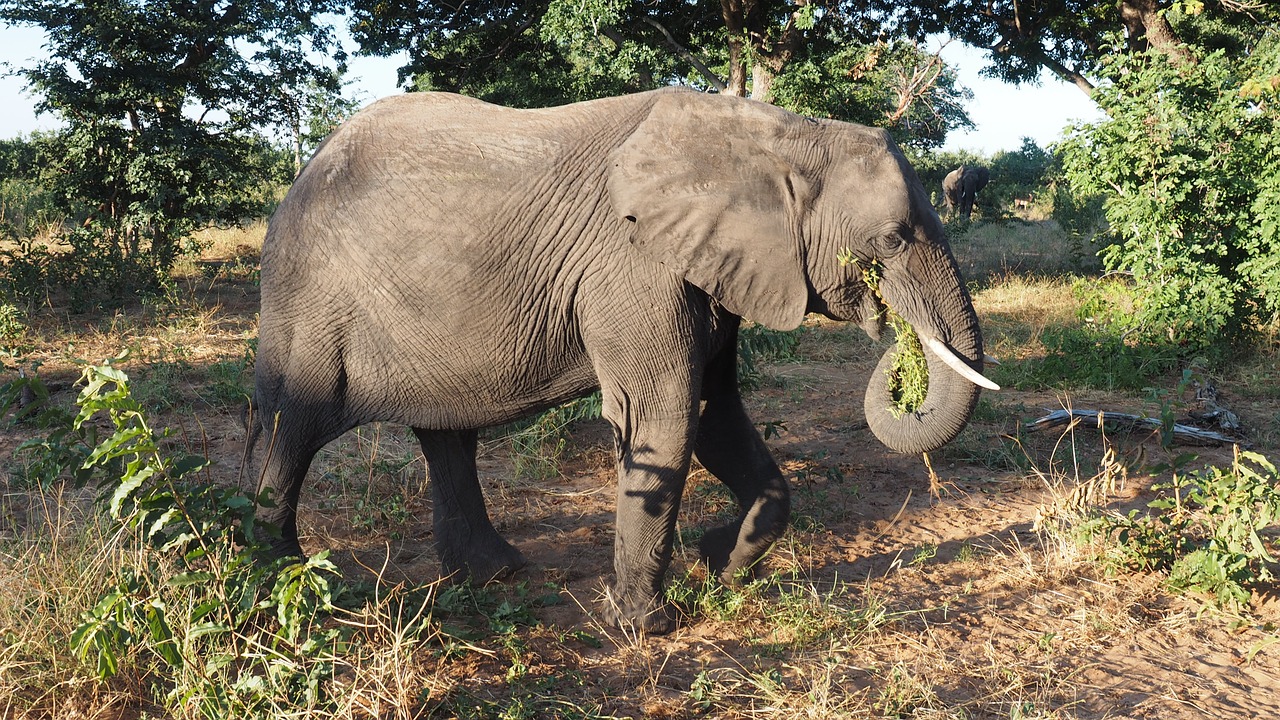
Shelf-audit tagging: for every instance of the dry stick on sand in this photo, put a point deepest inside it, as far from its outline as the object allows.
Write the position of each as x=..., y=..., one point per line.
x=1106, y=420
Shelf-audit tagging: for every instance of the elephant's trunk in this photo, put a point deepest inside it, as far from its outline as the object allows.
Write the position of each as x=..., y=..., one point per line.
x=954, y=367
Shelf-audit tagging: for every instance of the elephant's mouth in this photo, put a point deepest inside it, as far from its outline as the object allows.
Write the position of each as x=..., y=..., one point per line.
x=873, y=314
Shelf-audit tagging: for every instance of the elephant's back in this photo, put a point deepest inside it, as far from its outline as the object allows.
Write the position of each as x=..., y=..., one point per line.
x=447, y=235
x=437, y=173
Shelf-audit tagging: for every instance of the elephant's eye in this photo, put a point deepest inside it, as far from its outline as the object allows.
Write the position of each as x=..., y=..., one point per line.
x=891, y=244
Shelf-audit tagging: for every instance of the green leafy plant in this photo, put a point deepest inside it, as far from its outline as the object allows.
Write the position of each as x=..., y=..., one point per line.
x=1092, y=357
x=1184, y=161
x=756, y=344
x=189, y=603
x=538, y=444
x=1205, y=530
x=909, y=373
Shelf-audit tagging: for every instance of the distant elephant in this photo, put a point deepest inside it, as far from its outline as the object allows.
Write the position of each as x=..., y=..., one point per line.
x=452, y=265
x=961, y=186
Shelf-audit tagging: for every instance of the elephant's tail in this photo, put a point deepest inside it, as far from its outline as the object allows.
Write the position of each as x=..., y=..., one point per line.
x=253, y=431
x=254, y=458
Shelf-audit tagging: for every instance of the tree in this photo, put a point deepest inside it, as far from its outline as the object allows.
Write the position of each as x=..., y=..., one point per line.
x=894, y=85
x=167, y=104
x=817, y=56
x=1187, y=165
x=1072, y=38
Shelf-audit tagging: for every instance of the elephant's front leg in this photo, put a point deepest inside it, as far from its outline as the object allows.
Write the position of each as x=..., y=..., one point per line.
x=653, y=451
x=730, y=448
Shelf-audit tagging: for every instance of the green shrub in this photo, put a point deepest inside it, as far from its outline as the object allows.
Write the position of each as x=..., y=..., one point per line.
x=188, y=605
x=537, y=444
x=1204, y=530
x=756, y=344
x=1085, y=357
x=1186, y=162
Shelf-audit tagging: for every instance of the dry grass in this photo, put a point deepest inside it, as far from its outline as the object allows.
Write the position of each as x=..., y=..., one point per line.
x=881, y=601
x=1015, y=310
x=1020, y=247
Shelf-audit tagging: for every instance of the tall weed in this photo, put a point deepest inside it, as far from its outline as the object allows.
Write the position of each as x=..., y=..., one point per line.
x=186, y=599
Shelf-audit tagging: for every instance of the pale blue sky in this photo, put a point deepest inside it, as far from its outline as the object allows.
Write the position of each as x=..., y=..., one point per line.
x=1003, y=113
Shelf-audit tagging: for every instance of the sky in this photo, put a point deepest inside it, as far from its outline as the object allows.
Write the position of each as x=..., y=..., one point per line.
x=1003, y=113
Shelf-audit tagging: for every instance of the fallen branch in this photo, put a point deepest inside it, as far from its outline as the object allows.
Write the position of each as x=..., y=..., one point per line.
x=1105, y=420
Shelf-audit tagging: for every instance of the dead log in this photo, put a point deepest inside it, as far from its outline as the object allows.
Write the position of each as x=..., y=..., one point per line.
x=1116, y=421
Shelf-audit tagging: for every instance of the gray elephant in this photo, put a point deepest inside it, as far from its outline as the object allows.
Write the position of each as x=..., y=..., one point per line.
x=961, y=186
x=452, y=265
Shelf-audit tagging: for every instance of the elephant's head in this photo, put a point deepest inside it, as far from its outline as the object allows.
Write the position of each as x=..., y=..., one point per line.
x=757, y=206
x=976, y=178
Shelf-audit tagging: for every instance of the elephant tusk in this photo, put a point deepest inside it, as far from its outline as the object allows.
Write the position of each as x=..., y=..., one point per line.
x=955, y=363
x=990, y=360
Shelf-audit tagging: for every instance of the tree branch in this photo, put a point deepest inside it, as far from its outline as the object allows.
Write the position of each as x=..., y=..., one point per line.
x=912, y=88
x=1069, y=75
x=686, y=55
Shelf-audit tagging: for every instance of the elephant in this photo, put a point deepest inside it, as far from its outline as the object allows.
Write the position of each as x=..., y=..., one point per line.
x=451, y=265
x=961, y=186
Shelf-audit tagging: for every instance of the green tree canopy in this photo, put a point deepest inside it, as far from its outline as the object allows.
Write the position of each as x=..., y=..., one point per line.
x=824, y=58
x=1073, y=38
x=1187, y=166
x=167, y=105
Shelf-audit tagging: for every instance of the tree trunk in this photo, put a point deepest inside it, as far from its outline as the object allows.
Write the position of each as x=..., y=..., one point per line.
x=761, y=83
x=1147, y=28
x=735, y=22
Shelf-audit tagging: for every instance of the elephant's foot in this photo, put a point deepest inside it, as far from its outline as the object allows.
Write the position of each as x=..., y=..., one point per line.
x=280, y=540
x=280, y=548
x=637, y=611
x=481, y=562
x=717, y=549
x=733, y=552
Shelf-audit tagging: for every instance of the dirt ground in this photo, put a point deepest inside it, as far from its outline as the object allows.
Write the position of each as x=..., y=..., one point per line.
x=983, y=601
x=982, y=611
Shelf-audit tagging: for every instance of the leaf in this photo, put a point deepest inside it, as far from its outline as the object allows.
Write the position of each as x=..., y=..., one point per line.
x=118, y=445
x=159, y=523
x=211, y=629
x=166, y=647
x=126, y=488
x=187, y=579
x=187, y=465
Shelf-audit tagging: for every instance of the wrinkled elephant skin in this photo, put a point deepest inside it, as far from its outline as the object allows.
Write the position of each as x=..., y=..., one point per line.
x=452, y=265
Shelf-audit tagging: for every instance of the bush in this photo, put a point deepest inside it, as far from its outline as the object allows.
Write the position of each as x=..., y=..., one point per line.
x=1077, y=357
x=756, y=344
x=1022, y=173
x=1204, y=530
x=1186, y=162
x=189, y=606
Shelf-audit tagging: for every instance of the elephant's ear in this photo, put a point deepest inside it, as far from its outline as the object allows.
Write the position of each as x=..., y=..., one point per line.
x=711, y=196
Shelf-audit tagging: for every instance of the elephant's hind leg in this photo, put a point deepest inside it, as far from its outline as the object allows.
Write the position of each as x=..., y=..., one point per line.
x=466, y=541
x=285, y=450
x=730, y=448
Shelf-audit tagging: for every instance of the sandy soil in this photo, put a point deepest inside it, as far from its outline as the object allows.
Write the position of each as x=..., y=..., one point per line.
x=983, y=600
x=982, y=614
